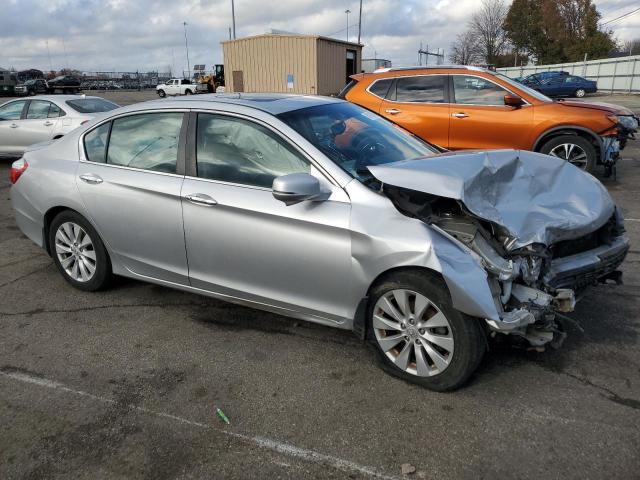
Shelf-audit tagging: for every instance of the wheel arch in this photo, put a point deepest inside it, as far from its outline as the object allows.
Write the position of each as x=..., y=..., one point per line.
x=569, y=130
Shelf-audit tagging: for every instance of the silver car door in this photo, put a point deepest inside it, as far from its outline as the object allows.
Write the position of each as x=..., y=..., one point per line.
x=244, y=243
x=36, y=127
x=130, y=176
x=10, y=115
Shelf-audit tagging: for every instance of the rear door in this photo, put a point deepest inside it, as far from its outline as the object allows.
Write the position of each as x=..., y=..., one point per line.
x=130, y=178
x=480, y=119
x=10, y=115
x=36, y=127
x=420, y=104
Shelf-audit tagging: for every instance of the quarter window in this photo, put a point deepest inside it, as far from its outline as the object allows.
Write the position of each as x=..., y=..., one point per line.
x=95, y=143
x=55, y=111
x=238, y=151
x=12, y=111
x=38, y=109
x=472, y=90
x=421, y=89
x=381, y=87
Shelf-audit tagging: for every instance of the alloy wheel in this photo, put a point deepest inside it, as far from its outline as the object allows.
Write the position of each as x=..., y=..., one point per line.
x=413, y=332
x=572, y=153
x=75, y=252
x=580, y=93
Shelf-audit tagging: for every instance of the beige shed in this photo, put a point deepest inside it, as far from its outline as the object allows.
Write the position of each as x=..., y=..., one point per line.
x=289, y=63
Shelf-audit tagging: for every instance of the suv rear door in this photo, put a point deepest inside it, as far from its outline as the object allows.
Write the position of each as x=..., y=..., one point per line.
x=420, y=104
x=480, y=119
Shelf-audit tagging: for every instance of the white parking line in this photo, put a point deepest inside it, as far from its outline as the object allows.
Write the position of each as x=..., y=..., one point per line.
x=632, y=219
x=263, y=442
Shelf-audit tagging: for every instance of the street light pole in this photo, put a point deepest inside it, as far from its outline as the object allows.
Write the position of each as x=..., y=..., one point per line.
x=360, y=23
x=233, y=18
x=347, y=12
x=186, y=46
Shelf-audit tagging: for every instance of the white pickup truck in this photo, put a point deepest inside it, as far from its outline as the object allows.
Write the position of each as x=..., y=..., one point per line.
x=176, y=86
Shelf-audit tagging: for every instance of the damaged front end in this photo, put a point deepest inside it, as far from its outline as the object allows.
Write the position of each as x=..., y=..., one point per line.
x=537, y=264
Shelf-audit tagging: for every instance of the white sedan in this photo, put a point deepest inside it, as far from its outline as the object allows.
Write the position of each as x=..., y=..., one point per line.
x=24, y=122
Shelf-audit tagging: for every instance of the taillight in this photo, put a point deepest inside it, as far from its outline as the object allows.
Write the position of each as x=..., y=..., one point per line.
x=17, y=169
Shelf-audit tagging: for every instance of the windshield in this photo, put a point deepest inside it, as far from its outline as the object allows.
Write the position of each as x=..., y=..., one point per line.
x=92, y=105
x=530, y=91
x=355, y=138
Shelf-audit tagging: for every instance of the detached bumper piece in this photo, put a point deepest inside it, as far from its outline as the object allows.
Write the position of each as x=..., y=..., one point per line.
x=588, y=268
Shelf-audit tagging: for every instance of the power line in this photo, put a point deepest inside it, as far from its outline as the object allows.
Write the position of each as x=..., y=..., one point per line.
x=339, y=31
x=622, y=16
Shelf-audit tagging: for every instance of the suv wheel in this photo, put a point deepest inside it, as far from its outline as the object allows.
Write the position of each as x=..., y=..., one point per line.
x=418, y=335
x=577, y=150
x=161, y=93
x=78, y=252
x=579, y=93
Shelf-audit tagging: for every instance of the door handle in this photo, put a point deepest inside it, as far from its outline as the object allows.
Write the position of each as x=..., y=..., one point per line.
x=48, y=123
x=91, y=178
x=459, y=115
x=13, y=125
x=393, y=111
x=201, y=199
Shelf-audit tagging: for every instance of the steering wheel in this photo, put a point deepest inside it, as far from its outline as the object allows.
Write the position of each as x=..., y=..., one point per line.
x=365, y=143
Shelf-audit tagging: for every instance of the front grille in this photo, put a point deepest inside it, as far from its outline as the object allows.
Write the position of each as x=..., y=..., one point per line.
x=603, y=236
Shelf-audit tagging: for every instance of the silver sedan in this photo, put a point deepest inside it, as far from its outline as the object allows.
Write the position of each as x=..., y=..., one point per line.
x=318, y=209
x=24, y=122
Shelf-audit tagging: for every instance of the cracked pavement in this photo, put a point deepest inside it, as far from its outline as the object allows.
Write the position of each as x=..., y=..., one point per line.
x=123, y=384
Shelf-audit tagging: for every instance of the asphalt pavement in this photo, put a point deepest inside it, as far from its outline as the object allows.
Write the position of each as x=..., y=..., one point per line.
x=124, y=384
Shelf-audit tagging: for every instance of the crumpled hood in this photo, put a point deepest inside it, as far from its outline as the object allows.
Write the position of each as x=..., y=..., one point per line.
x=537, y=198
x=605, y=107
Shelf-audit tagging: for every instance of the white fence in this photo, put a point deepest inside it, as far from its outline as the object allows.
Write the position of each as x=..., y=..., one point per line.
x=621, y=75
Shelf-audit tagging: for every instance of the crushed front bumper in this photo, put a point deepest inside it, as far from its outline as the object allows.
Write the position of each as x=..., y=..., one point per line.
x=586, y=268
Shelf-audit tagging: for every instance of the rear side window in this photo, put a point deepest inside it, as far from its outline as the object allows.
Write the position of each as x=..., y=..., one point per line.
x=422, y=89
x=147, y=141
x=380, y=88
x=238, y=151
x=38, y=109
x=55, y=111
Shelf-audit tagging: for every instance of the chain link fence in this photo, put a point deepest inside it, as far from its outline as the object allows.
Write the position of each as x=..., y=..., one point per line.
x=121, y=80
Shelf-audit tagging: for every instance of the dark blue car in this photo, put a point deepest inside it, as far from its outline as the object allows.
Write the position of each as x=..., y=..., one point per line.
x=565, y=86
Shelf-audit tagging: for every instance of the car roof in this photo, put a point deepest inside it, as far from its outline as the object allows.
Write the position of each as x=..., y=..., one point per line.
x=433, y=67
x=273, y=103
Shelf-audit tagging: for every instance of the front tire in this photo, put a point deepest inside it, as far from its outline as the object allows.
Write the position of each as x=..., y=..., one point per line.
x=577, y=150
x=579, y=93
x=78, y=252
x=417, y=334
x=161, y=93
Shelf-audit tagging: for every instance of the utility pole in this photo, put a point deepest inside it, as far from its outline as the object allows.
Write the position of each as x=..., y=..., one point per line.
x=439, y=56
x=360, y=23
x=186, y=46
x=233, y=18
x=347, y=12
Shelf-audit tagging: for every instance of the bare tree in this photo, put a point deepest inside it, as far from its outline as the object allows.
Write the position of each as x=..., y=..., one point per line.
x=487, y=25
x=632, y=47
x=465, y=51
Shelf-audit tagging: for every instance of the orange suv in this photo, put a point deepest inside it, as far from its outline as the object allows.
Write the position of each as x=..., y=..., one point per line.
x=461, y=107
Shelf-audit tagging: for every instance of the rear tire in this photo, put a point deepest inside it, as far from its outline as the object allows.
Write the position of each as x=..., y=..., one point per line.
x=161, y=93
x=188, y=92
x=438, y=347
x=579, y=93
x=78, y=252
x=580, y=150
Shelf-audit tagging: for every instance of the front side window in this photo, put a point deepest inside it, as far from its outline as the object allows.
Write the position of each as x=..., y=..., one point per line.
x=95, y=143
x=239, y=151
x=355, y=138
x=421, y=89
x=147, y=141
x=38, y=109
x=12, y=111
x=472, y=90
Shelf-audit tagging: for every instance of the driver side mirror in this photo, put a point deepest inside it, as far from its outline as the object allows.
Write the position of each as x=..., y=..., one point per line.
x=297, y=187
x=513, y=100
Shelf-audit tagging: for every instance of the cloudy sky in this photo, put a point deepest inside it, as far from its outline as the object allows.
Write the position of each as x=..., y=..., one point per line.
x=130, y=35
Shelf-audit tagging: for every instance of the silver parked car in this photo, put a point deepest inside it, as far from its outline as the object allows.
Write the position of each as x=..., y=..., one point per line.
x=318, y=209
x=24, y=122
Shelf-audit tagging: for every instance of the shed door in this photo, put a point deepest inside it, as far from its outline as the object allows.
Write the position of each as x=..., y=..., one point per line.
x=351, y=64
x=238, y=81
